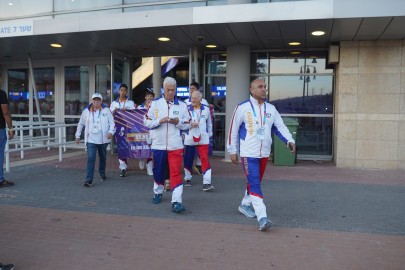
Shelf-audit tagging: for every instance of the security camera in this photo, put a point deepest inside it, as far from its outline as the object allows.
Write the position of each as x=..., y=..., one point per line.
x=199, y=38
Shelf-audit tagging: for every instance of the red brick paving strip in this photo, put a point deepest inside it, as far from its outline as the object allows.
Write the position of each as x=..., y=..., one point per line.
x=35, y=238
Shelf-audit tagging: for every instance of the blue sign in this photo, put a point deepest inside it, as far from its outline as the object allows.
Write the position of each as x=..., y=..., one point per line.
x=218, y=91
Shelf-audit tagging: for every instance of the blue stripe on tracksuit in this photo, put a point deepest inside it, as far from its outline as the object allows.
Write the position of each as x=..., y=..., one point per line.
x=254, y=169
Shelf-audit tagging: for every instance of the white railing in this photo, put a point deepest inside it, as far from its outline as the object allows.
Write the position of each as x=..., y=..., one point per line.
x=29, y=142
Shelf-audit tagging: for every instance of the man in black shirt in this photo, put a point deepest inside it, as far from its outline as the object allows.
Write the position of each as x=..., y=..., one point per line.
x=5, y=118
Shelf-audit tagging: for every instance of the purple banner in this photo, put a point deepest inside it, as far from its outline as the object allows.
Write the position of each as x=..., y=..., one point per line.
x=131, y=135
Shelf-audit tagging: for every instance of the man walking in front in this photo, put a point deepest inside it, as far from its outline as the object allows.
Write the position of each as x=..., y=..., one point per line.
x=99, y=126
x=5, y=119
x=166, y=117
x=251, y=126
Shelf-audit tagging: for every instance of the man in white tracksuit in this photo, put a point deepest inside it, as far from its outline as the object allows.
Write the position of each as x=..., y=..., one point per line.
x=197, y=138
x=122, y=103
x=99, y=126
x=166, y=117
x=250, y=129
x=195, y=87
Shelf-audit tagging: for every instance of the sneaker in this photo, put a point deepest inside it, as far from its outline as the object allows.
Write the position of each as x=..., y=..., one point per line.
x=141, y=164
x=197, y=169
x=157, y=198
x=187, y=183
x=6, y=183
x=149, y=170
x=208, y=187
x=178, y=207
x=103, y=178
x=247, y=211
x=167, y=185
x=123, y=173
x=264, y=224
x=6, y=267
x=87, y=184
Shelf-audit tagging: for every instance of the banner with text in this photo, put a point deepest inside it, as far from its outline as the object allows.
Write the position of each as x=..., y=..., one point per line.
x=131, y=135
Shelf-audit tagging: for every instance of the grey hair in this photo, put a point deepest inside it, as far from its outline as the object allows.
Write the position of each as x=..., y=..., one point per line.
x=169, y=81
x=198, y=93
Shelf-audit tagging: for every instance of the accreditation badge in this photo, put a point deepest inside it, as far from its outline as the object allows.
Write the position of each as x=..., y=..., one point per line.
x=260, y=133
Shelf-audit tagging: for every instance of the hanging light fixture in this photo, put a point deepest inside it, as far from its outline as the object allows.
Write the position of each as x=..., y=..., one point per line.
x=314, y=61
x=295, y=60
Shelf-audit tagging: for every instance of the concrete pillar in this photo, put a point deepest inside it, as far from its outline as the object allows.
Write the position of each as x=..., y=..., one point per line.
x=157, y=75
x=237, y=82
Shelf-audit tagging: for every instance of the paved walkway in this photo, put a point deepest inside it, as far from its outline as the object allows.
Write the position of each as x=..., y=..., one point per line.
x=324, y=218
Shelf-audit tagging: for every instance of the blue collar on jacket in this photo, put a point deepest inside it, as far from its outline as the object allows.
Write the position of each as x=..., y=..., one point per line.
x=191, y=108
x=102, y=106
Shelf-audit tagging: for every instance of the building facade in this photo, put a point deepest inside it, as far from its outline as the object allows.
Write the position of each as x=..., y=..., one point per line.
x=345, y=87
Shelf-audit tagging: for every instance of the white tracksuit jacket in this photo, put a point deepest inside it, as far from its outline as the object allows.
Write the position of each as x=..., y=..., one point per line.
x=102, y=120
x=244, y=126
x=167, y=136
x=203, y=117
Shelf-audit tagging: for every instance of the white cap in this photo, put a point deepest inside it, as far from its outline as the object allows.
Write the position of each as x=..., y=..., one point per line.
x=97, y=95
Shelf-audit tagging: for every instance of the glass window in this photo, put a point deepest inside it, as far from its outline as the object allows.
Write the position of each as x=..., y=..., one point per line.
x=314, y=136
x=76, y=89
x=71, y=131
x=218, y=130
x=298, y=65
x=302, y=94
x=45, y=82
x=18, y=91
x=259, y=63
x=63, y=5
x=157, y=4
x=216, y=64
x=103, y=82
x=9, y=9
x=216, y=92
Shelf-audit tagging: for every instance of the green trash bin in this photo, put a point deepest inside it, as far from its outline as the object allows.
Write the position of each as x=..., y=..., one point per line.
x=282, y=154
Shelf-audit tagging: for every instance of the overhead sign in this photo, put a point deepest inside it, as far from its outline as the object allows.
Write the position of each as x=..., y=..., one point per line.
x=16, y=28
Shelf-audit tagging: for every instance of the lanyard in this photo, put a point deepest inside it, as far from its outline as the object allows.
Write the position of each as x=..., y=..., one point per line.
x=198, y=115
x=119, y=103
x=254, y=113
x=98, y=114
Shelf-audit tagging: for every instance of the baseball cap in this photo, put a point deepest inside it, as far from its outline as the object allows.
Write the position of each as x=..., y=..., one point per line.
x=97, y=95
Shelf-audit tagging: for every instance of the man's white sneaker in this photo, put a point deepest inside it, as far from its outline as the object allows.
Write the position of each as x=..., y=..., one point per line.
x=247, y=211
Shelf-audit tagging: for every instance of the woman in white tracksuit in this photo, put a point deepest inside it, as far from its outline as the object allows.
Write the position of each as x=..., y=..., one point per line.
x=250, y=129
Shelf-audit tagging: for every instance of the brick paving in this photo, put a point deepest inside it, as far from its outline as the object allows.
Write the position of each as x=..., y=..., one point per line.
x=324, y=218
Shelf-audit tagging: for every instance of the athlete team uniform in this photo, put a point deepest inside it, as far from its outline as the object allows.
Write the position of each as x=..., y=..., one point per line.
x=167, y=144
x=203, y=102
x=148, y=161
x=251, y=128
x=127, y=104
x=202, y=116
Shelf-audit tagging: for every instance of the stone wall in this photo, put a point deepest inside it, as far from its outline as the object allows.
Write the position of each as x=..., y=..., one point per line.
x=370, y=105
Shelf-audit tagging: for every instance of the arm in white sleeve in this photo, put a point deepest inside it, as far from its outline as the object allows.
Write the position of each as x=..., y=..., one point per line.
x=281, y=131
x=185, y=119
x=150, y=121
x=111, y=123
x=233, y=136
x=81, y=125
x=209, y=124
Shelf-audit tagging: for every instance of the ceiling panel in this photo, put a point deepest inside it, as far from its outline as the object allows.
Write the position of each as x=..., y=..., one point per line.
x=318, y=25
x=344, y=29
x=293, y=31
x=372, y=28
x=395, y=29
x=269, y=34
x=245, y=33
x=258, y=35
x=222, y=34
